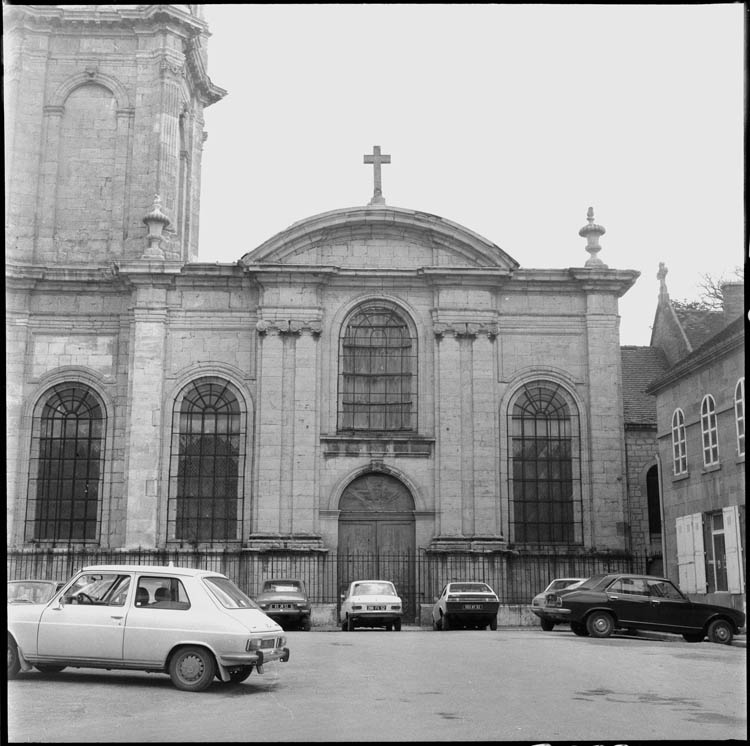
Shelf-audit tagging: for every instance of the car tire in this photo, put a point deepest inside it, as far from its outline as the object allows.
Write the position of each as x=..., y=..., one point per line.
x=493, y=624
x=239, y=675
x=306, y=625
x=397, y=625
x=44, y=668
x=435, y=626
x=349, y=624
x=693, y=636
x=547, y=625
x=578, y=628
x=192, y=668
x=446, y=625
x=720, y=631
x=14, y=661
x=600, y=624
x=389, y=628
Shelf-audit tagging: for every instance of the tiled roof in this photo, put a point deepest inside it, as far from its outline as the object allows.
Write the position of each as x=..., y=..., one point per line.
x=640, y=366
x=700, y=325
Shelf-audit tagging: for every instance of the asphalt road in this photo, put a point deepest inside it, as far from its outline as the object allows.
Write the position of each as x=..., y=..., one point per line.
x=372, y=685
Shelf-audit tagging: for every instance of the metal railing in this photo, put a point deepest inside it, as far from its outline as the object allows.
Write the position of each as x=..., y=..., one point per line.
x=419, y=576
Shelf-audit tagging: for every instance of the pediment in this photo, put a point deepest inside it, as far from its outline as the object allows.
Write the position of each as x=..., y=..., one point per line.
x=379, y=237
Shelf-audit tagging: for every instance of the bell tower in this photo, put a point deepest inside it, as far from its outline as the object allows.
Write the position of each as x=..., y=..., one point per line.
x=104, y=112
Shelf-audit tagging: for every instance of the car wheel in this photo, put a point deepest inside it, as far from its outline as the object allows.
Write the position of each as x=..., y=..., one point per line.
x=693, y=636
x=600, y=624
x=446, y=625
x=397, y=625
x=240, y=674
x=349, y=623
x=192, y=669
x=547, y=625
x=344, y=626
x=44, y=668
x=721, y=632
x=579, y=629
x=435, y=625
x=306, y=624
x=389, y=628
x=14, y=662
x=493, y=623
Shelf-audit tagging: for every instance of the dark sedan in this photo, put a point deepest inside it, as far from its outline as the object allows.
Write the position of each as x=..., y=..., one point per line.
x=622, y=601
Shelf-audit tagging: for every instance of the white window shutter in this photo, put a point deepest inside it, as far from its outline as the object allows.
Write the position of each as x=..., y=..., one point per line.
x=685, y=554
x=699, y=554
x=733, y=544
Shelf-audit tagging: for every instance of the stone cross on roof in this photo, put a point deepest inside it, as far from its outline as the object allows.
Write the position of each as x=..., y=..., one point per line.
x=376, y=159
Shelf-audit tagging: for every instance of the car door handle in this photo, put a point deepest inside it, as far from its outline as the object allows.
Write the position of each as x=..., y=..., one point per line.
x=116, y=617
x=613, y=598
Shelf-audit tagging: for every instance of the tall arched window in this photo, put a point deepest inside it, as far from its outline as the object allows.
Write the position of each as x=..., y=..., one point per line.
x=710, y=432
x=679, y=443
x=206, y=464
x=654, y=501
x=377, y=372
x=67, y=461
x=545, y=466
x=739, y=415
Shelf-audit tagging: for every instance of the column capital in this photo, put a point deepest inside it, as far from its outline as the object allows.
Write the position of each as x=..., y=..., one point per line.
x=465, y=329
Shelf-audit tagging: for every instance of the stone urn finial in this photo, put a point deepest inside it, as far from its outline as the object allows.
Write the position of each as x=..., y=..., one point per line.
x=156, y=221
x=591, y=233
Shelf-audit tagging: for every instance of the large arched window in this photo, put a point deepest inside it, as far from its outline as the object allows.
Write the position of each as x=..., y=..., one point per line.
x=679, y=443
x=377, y=372
x=739, y=415
x=710, y=431
x=545, y=466
x=206, y=464
x=67, y=458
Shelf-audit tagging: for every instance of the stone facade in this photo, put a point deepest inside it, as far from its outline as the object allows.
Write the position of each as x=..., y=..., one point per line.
x=137, y=323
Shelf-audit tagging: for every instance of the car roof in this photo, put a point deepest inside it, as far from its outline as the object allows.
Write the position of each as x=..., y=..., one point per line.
x=34, y=580
x=158, y=569
x=371, y=581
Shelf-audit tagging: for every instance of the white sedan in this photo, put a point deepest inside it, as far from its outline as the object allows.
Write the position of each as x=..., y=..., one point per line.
x=191, y=624
x=371, y=603
x=466, y=604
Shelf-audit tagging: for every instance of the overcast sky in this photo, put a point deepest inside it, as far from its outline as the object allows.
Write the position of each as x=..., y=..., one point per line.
x=510, y=120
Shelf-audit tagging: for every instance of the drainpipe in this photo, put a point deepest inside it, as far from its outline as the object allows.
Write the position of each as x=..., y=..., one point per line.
x=661, y=515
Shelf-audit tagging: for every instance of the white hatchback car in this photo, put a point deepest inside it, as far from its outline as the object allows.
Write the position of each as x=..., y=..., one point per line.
x=191, y=624
x=371, y=603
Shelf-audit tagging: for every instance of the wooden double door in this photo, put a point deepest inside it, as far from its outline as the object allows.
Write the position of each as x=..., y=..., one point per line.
x=377, y=536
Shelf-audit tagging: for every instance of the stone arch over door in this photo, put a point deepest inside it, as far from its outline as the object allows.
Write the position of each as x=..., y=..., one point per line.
x=377, y=537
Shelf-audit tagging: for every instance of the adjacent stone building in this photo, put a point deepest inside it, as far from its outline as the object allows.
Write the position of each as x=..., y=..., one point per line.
x=700, y=401
x=372, y=382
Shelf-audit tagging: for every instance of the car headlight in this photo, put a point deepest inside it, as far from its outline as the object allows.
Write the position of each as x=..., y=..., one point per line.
x=356, y=607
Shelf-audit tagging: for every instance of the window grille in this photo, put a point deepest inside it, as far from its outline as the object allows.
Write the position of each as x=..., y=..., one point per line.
x=545, y=466
x=709, y=430
x=377, y=372
x=679, y=443
x=206, y=464
x=65, y=477
x=739, y=415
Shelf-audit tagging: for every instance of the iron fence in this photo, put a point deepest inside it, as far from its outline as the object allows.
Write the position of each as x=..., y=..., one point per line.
x=515, y=577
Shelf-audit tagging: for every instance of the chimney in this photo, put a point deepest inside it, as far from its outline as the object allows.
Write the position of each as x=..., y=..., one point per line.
x=734, y=300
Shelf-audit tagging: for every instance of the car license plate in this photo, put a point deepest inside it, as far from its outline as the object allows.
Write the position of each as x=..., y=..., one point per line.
x=473, y=607
x=376, y=608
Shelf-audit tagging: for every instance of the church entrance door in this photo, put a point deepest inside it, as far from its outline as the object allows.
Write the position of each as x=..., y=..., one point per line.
x=376, y=536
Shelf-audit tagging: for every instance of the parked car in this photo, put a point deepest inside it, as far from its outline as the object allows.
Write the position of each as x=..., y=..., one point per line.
x=191, y=624
x=286, y=602
x=371, y=603
x=32, y=591
x=548, y=614
x=465, y=604
x=604, y=603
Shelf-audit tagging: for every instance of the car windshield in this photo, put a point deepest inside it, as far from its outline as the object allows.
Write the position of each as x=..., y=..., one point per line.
x=470, y=588
x=282, y=586
x=31, y=591
x=373, y=589
x=228, y=594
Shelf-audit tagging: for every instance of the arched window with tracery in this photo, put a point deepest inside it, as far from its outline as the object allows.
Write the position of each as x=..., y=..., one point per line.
x=679, y=443
x=67, y=466
x=205, y=502
x=710, y=431
x=545, y=471
x=377, y=387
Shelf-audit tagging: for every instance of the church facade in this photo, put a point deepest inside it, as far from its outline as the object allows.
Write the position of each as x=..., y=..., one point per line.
x=370, y=382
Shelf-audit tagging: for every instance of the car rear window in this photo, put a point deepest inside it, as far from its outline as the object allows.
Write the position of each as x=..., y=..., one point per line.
x=373, y=589
x=228, y=594
x=470, y=588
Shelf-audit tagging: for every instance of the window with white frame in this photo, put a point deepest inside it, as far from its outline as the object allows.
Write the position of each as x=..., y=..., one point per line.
x=679, y=443
x=739, y=415
x=709, y=431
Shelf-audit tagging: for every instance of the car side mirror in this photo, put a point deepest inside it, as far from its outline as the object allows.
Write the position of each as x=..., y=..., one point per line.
x=343, y=596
